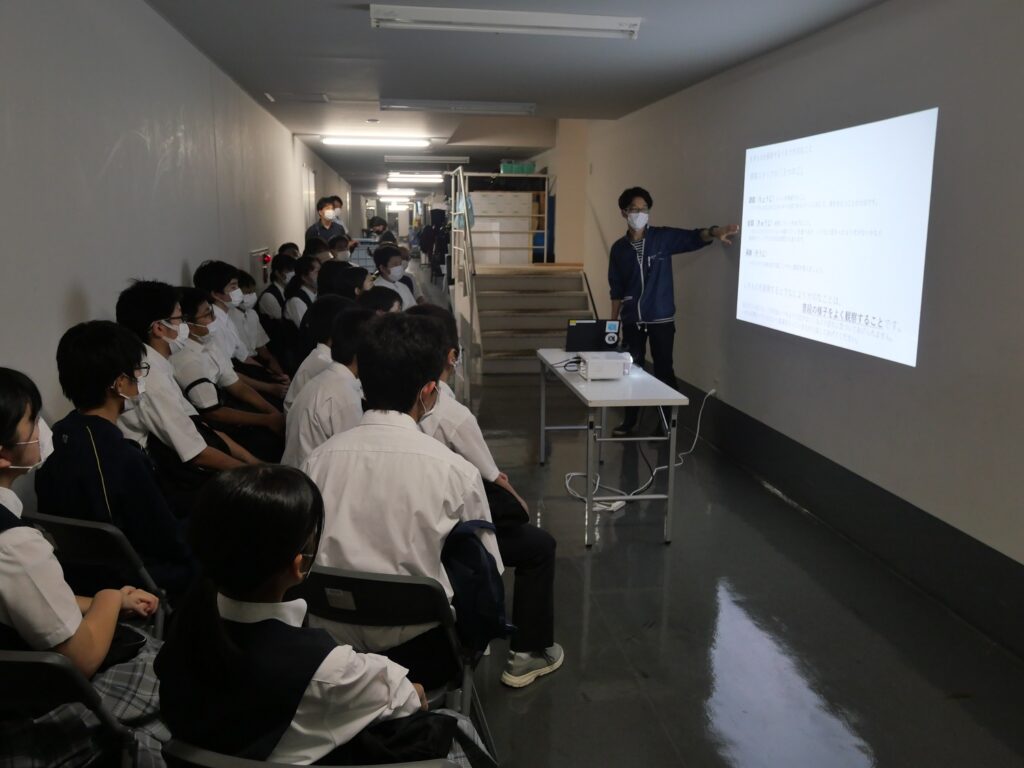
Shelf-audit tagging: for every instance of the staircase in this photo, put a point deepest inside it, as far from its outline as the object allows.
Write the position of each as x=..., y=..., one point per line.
x=524, y=308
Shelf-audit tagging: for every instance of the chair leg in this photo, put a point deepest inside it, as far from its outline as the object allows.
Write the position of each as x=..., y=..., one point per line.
x=481, y=724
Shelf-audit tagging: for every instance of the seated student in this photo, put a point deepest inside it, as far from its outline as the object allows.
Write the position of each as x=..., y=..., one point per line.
x=94, y=472
x=271, y=301
x=332, y=401
x=528, y=549
x=340, y=248
x=407, y=278
x=239, y=674
x=330, y=277
x=392, y=493
x=318, y=324
x=349, y=281
x=381, y=300
x=390, y=270
x=258, y=368
x=216, y=391
x=184, y=449
x=250, y=327
x=319, y=250
x=301, y=291
x=40, y=612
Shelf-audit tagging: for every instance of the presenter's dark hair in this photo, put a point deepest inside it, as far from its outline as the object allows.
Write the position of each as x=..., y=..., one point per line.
x=398, y=354
x=90, y=356
x=347, y=332
x=143, y=303
x=248, y=525
x=323, y=202
x=445, y=319
x=213, y=276
x=18, y=393
x=384, y=254
x=630, y=194
x=379, y=299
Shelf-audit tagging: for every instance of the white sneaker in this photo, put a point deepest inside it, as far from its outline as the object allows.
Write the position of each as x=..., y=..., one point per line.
x=523, y=668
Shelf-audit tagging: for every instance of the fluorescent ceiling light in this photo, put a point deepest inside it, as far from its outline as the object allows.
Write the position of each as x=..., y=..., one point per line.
x=414, y=178
x=373, y=141
x=503, y=22
x=390, y=200
x=445, y=159
x=459, y=107
x=397, y=208
x=395, y=191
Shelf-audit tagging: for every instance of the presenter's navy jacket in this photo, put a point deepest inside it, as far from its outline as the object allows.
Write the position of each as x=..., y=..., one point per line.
x=645, y=285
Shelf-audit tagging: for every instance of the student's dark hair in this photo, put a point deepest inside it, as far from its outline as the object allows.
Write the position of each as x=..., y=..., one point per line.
x=248, y=525
x=287, y=247
x=143, y=303
x=318, y=322
x=379, y=299
x=323, y=202
x=315, y=246
x=213, y=276
x=190, y=299
x=282, y=262
x=384, y=253
x=245, y=280
x=336, y=241
x=303, y=266
x=633, y=192
x=398, y=354
x=376, y=221
x=445, y=318
x=90, y=356
x=338, y=202
x=347, y=331
x=17, y=393
x=341, y=279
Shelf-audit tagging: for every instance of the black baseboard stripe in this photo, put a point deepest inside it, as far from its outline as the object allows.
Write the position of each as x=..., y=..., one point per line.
x=981, y=585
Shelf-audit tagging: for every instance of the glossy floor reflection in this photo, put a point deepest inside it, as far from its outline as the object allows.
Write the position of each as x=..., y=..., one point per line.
x=757, y=638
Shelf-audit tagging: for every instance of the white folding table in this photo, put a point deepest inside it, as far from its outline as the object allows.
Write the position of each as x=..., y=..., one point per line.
x=637, y=389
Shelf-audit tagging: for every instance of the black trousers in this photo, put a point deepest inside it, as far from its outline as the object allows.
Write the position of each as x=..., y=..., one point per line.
x=531, y=551
x=661, y=337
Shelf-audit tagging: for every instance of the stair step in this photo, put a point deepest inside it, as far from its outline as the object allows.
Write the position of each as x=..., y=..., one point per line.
x=529, y=320
x=531, y=282
x=487, y=300
x=509, y=362
x=521, y=340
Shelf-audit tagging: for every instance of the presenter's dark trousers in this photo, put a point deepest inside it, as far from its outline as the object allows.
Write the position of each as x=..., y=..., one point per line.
x=661, y=337
x=531, y=551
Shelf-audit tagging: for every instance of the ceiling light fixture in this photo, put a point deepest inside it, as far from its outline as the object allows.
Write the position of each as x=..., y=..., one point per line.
x=459, y=107
x=415, y=178
x=443, y=159
x=503, y=22
x=373, y=141
x=395, y=191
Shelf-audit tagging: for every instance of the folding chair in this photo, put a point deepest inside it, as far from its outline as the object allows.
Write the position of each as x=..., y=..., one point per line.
x=85, y=543
x=178, y=754
x=378, y=600
x=33, y=683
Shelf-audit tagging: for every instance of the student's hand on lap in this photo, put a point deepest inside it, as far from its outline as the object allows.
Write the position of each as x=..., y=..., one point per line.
x=275, y=423
x=282, y=378
x=138, y=601
x=422, y=694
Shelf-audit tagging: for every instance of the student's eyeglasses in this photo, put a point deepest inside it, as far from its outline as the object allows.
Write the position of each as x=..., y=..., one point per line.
x=141, y=371
x=638, y=210
x=206, y=314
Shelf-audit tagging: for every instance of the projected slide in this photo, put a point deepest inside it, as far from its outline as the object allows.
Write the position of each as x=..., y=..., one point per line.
x=834, y=235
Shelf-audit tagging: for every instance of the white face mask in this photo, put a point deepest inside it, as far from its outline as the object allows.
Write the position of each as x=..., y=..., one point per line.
x=288, y=277
x=249, y=300
x=342, y=255
x=428, y=411
x=236, y=296
x=45, y=442
x=131, y=402
x=396, y=273
x=637, y=221
x=178, y=342
x=211, y=330
x=329, y=214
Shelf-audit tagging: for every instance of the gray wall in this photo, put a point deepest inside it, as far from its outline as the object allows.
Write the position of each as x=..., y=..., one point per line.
x=944, y=435
x=124, y=152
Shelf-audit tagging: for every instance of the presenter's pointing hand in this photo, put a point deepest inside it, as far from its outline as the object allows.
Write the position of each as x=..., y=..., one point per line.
x=726, y=233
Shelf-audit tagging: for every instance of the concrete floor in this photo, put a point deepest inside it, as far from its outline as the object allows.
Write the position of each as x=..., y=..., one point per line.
x=757, y=638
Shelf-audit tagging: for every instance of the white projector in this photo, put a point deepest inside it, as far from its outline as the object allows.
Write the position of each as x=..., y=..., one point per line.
x=604, y=365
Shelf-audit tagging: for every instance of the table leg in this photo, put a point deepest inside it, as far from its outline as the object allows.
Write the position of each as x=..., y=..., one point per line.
x=543, y=415
x=589, y=506
x=604, y=433
x=670, y=501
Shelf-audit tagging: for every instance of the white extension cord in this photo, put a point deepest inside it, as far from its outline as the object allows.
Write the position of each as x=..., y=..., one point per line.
x=617, y=505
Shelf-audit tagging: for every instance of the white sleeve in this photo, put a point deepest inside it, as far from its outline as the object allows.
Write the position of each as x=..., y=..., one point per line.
x=268, y=306
x=161, y=414
x=258, y=334
x=194, y=380
x=342, y=415
x=468, y=441
x=348, y=692
x=475, y=507
x=34, y=598
x=294, y=309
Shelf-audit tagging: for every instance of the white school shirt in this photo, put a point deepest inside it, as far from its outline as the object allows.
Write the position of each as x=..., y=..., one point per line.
x=163, y=411
x=35, y=600
x=408, y=300
x=329, y=404
x=348, y=691
x=253, y=333
x=268, y=304
x=455, y=425
x=295, y=308
x=391, y=496
x=316, y=361
x=201, y=370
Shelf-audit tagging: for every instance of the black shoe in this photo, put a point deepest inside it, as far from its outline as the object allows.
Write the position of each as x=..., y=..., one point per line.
x=624, y=429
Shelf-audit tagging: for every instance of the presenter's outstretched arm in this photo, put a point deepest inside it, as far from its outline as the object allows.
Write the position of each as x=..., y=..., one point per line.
x=725, y=234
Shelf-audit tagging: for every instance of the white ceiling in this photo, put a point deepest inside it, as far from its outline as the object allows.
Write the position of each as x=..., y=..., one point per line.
x=302, y=50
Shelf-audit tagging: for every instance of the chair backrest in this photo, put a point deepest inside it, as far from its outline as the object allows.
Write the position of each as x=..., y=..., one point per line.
x=178, y=754
x=33, y=683
x=99, y=545
x=373, y=599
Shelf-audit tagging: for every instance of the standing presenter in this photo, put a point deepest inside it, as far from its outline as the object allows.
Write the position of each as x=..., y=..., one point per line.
x=640, y=279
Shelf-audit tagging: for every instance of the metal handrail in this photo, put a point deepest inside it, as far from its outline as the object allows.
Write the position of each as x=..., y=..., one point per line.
x=464, y=269
x=590, y=293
